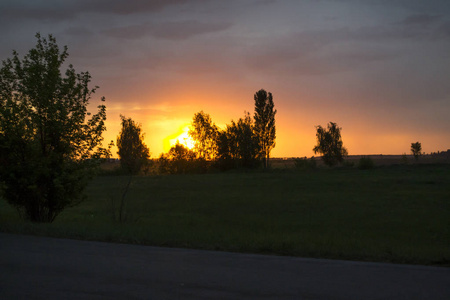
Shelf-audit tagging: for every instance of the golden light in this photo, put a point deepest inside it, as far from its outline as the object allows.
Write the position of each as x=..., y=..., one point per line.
x=180, y=136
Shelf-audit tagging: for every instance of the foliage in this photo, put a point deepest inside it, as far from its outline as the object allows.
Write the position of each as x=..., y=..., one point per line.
x=47, y=145
x=241, y=144
x=416, y=150
x=238, y=144
x=225, y=159
x=134, y=156
x=181, y=160
x=365, y=163
x=305, y=163
x=329, y=144
x=163, y=164
x=133, y=152
x=180, y=152
x=264, y=126
x=204, y=133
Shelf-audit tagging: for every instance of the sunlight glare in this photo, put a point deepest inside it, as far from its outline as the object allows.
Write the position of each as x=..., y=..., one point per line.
x=182, y=137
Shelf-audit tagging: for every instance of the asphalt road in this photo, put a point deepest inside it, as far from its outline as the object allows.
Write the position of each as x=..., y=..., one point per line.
x=46, y=268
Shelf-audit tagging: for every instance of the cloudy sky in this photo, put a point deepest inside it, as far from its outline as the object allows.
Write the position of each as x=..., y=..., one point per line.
x=379, y=68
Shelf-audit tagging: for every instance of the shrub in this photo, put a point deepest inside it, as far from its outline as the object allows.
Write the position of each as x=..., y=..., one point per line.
x=365, y=163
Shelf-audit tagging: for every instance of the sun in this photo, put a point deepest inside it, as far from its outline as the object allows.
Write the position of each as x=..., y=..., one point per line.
x=182, y=136
x=183, y=139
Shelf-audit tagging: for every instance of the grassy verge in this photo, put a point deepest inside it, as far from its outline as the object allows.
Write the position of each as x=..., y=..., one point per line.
x=395, y=214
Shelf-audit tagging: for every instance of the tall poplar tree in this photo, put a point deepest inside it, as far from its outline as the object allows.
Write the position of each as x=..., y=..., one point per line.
x=264, y=125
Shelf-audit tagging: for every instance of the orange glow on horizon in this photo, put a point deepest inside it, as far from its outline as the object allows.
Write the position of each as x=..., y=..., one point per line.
x=164, y=124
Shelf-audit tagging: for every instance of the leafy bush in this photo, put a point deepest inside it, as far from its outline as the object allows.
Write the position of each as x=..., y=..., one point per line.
x=181, y=160
x=365, y=163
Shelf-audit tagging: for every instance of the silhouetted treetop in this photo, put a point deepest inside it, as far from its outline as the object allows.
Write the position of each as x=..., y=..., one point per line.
x=264, y=126
x=204, y=134
x=329, y=144
x=133, y=152
x=416, y=149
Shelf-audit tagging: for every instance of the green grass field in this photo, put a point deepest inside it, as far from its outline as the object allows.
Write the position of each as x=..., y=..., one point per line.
x=395, y=214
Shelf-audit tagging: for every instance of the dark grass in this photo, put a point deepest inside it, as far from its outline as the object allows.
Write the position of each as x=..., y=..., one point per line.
x=395, y=214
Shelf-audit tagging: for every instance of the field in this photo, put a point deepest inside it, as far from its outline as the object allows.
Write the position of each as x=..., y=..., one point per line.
x=398, y=213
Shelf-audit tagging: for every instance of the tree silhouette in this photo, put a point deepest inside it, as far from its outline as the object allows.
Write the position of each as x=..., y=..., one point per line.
x=204, y=134
x=416, y=150
x=238, y=144
x=225, y=152
x=48, y=147
x=264, y=126
x=180, y=152
x=133, y=152
x=179, y=160
x=329, y=144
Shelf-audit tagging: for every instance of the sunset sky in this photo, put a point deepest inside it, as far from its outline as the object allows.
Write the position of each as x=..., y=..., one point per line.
x=380, y=69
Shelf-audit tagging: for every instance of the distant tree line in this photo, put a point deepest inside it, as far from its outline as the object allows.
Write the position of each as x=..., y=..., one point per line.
x=245, y=143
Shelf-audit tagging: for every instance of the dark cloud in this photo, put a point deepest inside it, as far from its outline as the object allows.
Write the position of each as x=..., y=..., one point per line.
x=444, y=30
x=417, y=27
x=78, y=32
x=318, y=63
x=419, y=6
x=55, y=10
x=420, y=20
x=319, y=52
x=128, y=7
x=186, y=29
x=16, y=13
x=168, y=30
x=130, y=32
x=334, y=50
x=425, y=26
